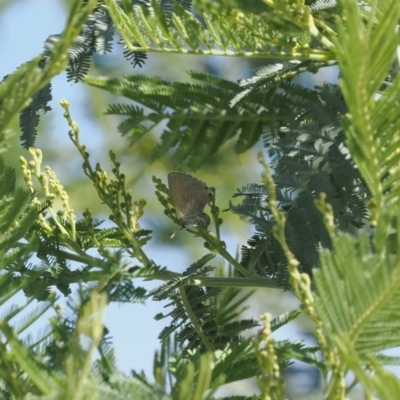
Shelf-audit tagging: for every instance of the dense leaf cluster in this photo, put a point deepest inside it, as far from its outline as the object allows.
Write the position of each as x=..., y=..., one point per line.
x=325, y=211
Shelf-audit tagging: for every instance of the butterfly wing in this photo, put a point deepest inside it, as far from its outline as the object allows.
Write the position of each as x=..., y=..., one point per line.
x=189, y=194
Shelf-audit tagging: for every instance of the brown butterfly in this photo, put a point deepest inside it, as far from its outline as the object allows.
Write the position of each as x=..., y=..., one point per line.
x=190, y=196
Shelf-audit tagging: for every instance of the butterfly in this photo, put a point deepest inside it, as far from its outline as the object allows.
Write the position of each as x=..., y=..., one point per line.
x=189, y=195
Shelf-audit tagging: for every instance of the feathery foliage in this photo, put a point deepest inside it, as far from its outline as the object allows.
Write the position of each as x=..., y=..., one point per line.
x=325, y=211
x=195, y=312
x=309, y=157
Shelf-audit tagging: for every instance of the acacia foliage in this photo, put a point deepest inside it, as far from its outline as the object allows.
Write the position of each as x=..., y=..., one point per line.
x=325, y=213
